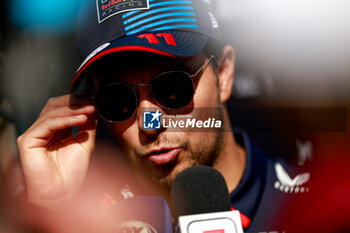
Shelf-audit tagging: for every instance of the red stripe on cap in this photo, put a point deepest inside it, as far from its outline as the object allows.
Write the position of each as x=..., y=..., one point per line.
x=244, y=219
x=113, y=50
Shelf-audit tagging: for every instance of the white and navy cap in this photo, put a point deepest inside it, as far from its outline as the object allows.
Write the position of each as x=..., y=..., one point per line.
x=174, y=28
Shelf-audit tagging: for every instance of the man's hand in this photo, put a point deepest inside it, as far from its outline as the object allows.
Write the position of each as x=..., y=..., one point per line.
x=55, y=163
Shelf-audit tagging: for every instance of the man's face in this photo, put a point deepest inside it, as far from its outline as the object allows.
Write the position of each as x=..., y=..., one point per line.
x=161, y=153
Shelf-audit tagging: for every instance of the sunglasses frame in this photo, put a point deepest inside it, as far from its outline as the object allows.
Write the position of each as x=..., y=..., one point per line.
x=133, y=89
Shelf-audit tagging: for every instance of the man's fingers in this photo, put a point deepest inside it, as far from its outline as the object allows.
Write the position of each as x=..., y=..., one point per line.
x=40, y=134
x=68, y=111
x=55, y=163
x=88, y=131
x=71, y=101
x=61, y=135
x=80, y=99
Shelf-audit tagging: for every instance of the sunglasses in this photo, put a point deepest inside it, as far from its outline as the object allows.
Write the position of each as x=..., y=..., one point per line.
x=171, y=90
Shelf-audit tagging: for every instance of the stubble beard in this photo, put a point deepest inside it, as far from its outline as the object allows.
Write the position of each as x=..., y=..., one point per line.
x=198, y=155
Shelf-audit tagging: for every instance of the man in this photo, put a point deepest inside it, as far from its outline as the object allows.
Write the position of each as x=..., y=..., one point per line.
x=151, y=55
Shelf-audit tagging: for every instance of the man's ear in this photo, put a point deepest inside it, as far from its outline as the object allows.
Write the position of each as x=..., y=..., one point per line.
x=226, y=69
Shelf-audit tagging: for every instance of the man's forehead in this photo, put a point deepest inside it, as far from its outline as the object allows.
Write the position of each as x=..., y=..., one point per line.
x=118, y=65
x=133, y=59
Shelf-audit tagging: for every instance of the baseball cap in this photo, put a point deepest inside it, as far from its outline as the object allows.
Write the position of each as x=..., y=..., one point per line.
x=173, y=28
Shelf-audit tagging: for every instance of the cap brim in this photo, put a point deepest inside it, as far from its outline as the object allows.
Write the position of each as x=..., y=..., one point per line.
x=187, y=44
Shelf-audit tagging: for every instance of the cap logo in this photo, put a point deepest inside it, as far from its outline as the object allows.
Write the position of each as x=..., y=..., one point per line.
x=162, y=15
x=152, y=39
x=109, y=8
x=213, y=20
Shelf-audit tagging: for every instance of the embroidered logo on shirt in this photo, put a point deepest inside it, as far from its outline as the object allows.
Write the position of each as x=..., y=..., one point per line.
x=304, y=151
x=288, y=185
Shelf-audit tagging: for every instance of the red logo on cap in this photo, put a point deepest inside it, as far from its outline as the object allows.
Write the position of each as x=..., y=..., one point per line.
x=152, y=39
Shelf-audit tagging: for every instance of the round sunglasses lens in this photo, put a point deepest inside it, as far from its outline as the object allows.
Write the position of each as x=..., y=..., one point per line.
x=115, y=102
x=173, y=90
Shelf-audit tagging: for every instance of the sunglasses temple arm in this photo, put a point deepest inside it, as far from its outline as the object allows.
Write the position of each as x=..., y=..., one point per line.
x=203, y=66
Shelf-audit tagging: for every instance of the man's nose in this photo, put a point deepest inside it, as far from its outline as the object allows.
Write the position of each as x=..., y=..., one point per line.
x=148, y=112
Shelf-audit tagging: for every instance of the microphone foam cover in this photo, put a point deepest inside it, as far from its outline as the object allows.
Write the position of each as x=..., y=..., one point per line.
x=198, y=190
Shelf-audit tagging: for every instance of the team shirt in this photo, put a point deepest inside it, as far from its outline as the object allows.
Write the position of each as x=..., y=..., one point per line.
x=267, y=188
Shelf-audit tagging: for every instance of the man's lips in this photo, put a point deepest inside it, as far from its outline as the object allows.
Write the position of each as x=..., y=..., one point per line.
x=163, y=156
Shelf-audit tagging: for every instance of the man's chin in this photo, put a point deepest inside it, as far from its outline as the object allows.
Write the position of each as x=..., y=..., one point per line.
x=164, y=182
x=166, y=179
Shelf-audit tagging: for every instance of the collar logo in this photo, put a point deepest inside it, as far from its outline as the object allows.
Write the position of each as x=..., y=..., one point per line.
x=288, y=185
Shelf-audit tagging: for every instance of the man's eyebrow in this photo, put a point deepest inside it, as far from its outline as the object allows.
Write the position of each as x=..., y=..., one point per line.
x=190, y=64
x=108, y=69
x=178, y=66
